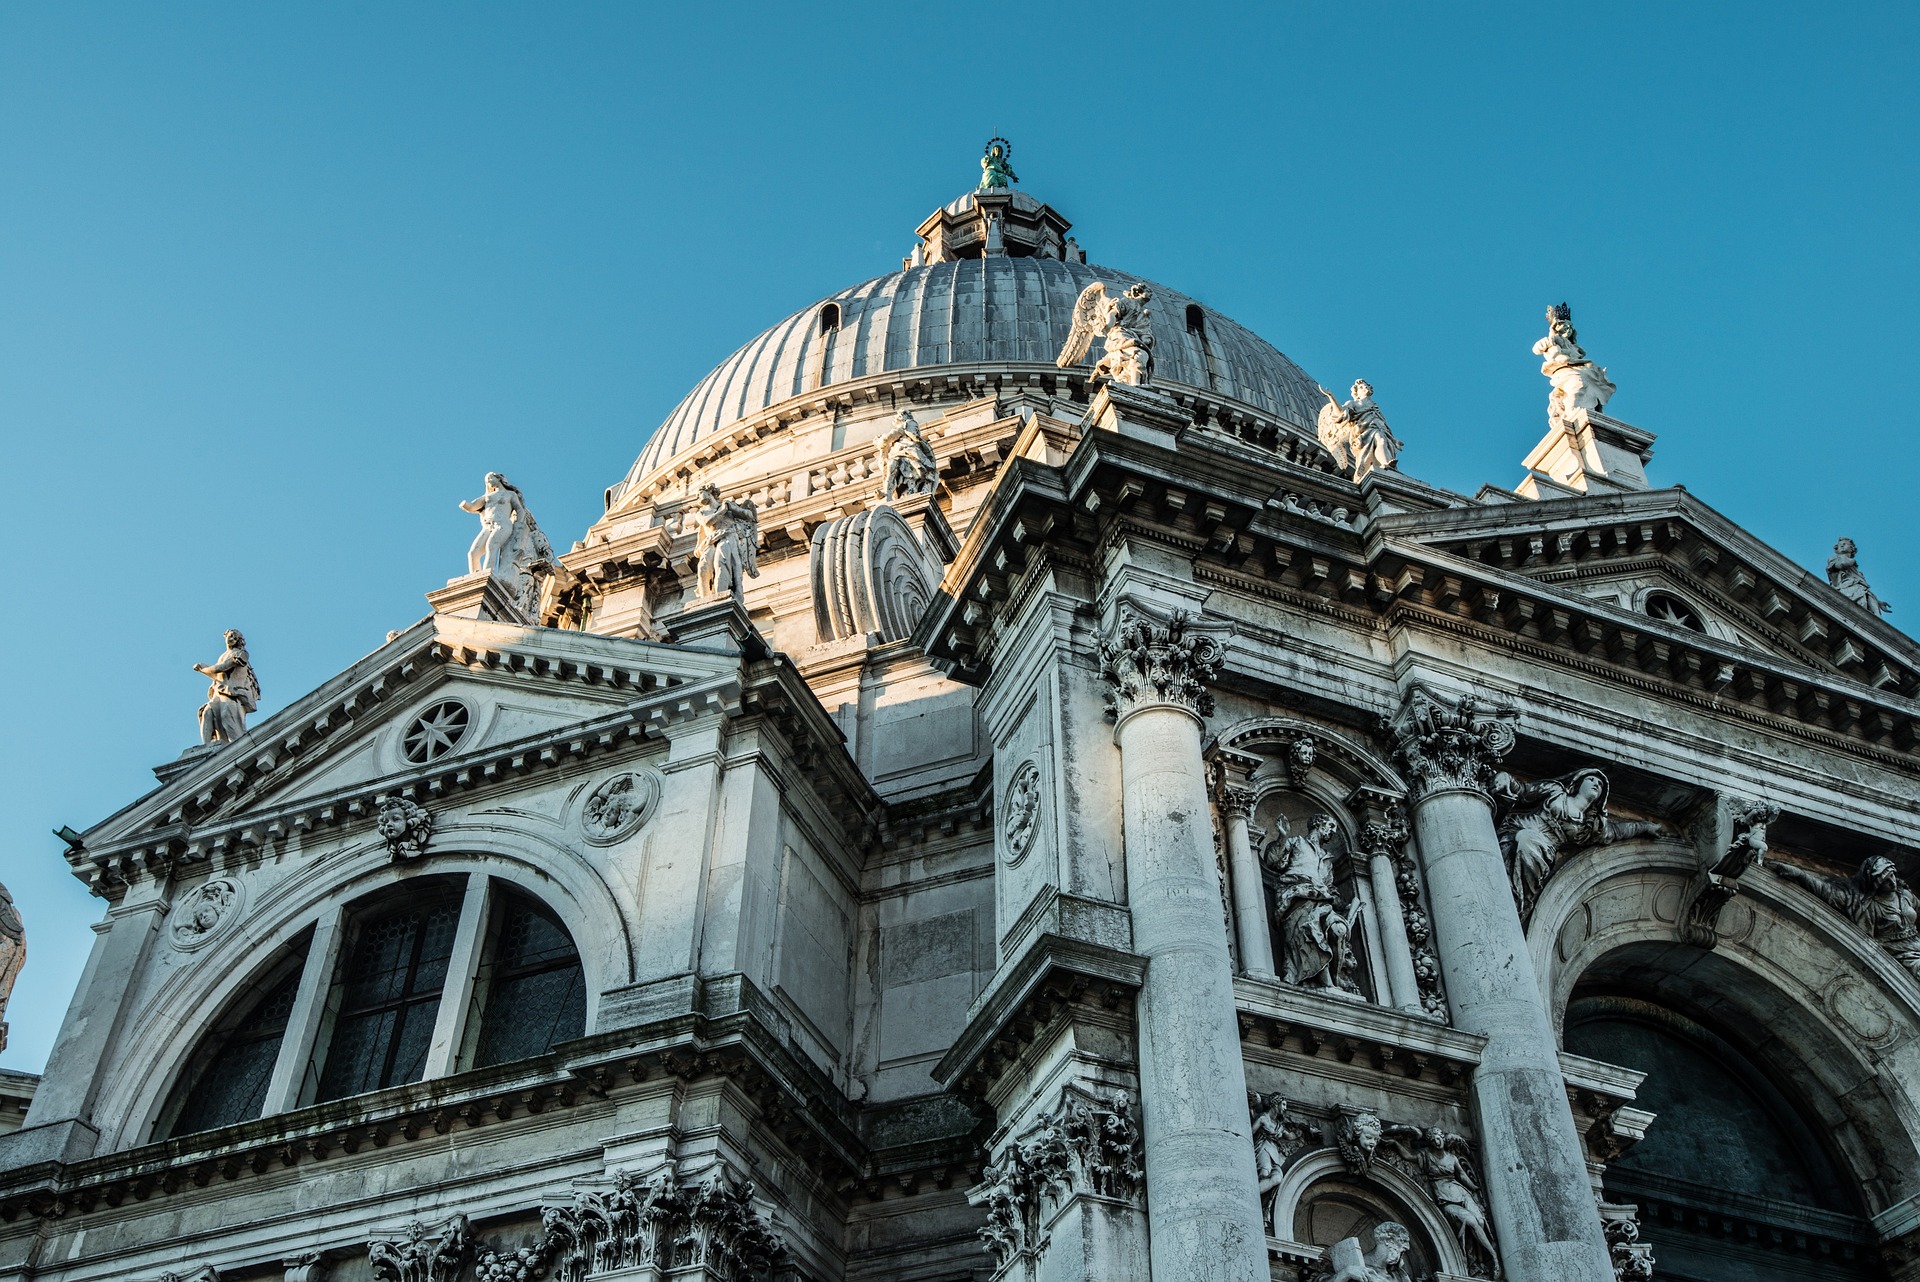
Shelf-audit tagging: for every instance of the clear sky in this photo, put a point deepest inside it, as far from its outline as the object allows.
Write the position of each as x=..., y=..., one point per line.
x=279, y=283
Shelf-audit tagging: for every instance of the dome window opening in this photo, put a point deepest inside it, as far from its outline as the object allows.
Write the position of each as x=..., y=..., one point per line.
x=829, y=318
x=1197, y=326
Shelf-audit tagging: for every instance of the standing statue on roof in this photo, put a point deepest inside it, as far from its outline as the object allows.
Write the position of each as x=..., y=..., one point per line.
x=726, y=546
x=996, y=166
x=1843, y=572
x=907, y=459
x=510, y=545
x=1125, y=325
x=1356, y=434
x=1579, y=386
x=234, y=693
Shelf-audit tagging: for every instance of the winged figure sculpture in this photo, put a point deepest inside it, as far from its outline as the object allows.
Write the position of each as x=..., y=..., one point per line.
x=1125, y=325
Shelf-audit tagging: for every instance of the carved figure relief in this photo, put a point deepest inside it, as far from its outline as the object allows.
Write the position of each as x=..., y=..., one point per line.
x=405, y=826
x=235, y=692
x=423, y=1255
x=1125, y=326
x=1542, y=823
x=1147, y=661
x=1316, y=930
x=726, y=549
x=1022, y=819
x=198, y=918
x=509, y=545
x=1717, y=886
x=1357, y=1135
x=1579, y=386
x=1876, y=899
x=13, y=955
x=1088, y=1146
x=906, y=459
x=1356, y=434
x=1843, y=573
x=871, y=576
x=1386, y=1262
x=619, y=806
x=1440, y=1158
x=1277, y=1136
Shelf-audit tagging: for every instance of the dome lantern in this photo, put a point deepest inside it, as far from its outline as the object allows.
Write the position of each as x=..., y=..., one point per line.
x=993, y=220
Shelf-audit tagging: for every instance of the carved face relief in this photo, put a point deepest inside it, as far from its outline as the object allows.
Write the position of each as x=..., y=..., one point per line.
x=1021, y=823
x=200, y=917
x=619, y=806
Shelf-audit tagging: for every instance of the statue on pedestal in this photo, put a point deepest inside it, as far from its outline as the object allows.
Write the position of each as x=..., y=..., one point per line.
x=1843, y=573
x=907, y=459
x=996, y=166
x=509, y=545
x=1876, y=899
x=234, y=693
x=13, y=955
x=726, y=546
x=1125, y=324
x=1316, y=949
x=1356, y=434
x=1578, y=384
x=1543, y=822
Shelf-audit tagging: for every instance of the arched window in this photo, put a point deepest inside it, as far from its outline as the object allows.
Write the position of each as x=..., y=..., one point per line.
x=1196, y=320
x=829, y=317
x=1341, y=1208
x=531, y=989
x=226, y=1078
x=388, y=992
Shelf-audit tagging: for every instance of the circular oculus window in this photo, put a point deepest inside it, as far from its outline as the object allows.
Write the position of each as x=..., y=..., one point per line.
x=436, y=732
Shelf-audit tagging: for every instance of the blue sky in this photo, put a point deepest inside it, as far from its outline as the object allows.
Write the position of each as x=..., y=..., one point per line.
x=279, y=283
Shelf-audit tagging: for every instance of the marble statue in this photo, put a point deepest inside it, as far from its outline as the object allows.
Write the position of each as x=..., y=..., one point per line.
x=509, y=545
x=1843, y=572
x=996, y=167
x=1876, y=899
x=1440, y=1157
x=1386, y=1262
x=906, y=459
x=1356, y=434
x=1579, y=386
x=1125, y=324
x=13, y=955
x=1277, y=1136
x=1316, y=949
x=1543, y=822
x=726, y=546
x=234, y=693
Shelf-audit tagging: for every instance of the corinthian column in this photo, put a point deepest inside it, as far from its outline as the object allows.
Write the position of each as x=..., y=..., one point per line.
x=1203, y=1201
x=1538, y=1192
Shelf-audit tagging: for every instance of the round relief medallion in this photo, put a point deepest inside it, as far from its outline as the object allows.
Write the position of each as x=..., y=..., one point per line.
x=1021, y=822
x=618, y=806
x=204, y=913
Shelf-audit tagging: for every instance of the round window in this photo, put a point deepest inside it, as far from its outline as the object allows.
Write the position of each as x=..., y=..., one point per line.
x=1668, y=608
x=436, y=732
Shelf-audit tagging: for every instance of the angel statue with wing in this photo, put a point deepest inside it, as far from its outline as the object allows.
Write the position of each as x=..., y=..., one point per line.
x=726, y=546
x=1124, y=323
x=1356, y=434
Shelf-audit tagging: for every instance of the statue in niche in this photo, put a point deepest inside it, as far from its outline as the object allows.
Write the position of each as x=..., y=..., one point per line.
x=1843, y=572
x=906, y=459
x=234, y=693
x=510, y=545
x=13, y=955
x=1386, y=1262
x=1356, y=434
x=1316, y=933
x=1579, y=386
x=1876, y=899
x=1125, y=324
x=726, y=546
x=1542, y=823
x=996, y=166
x=1440, y=1157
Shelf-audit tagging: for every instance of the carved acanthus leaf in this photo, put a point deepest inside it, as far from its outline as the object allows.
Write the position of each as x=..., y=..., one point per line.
x=1087, y=1147
x=1147, y=660
x=1443, y=743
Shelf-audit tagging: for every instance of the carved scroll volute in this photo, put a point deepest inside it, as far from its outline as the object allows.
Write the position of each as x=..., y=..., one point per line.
x=1450, y=743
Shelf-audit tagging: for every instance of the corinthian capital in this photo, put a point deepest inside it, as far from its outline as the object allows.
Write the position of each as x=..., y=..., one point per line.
x=1443, y=742
x=1148, y=660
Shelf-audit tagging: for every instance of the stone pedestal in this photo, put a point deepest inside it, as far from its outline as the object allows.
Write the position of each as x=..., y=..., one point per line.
x=1203, y=1200
x=477, y=596
x=1538, y=1195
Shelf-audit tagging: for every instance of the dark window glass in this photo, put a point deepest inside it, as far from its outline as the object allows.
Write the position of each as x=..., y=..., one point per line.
x=234, y=1065
x=390, y=982
x=536, y=993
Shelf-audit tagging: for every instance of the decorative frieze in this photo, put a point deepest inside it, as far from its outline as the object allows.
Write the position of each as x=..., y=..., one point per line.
x=423, y=1255
x=1088, y=1146
x=1444, y=743
x=1147, y=661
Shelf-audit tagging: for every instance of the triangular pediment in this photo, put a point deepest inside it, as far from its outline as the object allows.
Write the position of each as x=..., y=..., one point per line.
x=1665, y=558
x=448, y=697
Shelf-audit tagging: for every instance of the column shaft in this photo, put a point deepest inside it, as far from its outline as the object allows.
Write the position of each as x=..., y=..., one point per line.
x=1394, y=948
x=1249, y=896
x=1203, y=1202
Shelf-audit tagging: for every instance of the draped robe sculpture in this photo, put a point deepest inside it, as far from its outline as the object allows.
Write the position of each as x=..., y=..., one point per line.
x=726, y=546
x=1125, y=326
x=234, y=693
x=1544, y=822
x=1356, y=434
x=1843, y=573
x=1315, y=931
x=1876, y=899
x=1579, y=386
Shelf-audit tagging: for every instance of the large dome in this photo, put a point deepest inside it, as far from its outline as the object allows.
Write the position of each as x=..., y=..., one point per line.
x=1002, y=312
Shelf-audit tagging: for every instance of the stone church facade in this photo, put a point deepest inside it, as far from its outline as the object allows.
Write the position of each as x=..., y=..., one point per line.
x=1018, y=784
